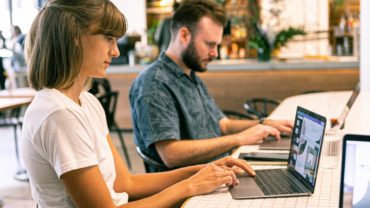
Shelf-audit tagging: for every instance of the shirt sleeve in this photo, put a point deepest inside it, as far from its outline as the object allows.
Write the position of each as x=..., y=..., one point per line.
x=215, y=110
x=157, y=117
x=67, y=142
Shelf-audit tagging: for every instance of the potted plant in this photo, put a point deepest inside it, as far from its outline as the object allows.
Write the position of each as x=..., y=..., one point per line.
x=265, y=45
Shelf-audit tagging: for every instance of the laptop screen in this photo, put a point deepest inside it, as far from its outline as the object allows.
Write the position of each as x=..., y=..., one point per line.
x=355, y=178
x=339, y=124
x=306, y=145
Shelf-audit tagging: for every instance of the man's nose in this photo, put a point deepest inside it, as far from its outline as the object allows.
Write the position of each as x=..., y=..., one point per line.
x=213, y=52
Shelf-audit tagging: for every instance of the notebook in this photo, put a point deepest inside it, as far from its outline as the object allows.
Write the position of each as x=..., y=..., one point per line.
x=299, y=178
x=355, y=172
x=271, y=143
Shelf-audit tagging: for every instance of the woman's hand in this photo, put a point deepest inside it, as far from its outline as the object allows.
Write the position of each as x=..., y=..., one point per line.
x=210, y=178
x=220, y=172
x=236, y=165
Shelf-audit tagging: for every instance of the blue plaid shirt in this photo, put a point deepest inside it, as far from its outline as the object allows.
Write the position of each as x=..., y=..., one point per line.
x=168, y=104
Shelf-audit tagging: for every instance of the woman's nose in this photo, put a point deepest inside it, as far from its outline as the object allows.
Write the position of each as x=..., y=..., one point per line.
x=114, y=52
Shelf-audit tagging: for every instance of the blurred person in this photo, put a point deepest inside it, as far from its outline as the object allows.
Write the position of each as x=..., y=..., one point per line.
x=66, y=147
x=176, y=121
x=2, y=74
x=17, y=47
x=2, y=40
x=162, y=36
x=2, y=69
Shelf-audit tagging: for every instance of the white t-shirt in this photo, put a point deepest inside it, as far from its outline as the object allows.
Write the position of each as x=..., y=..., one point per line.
x=58, y=136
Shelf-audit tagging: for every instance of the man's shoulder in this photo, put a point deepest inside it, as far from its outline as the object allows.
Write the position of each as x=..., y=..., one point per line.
x=157, y=72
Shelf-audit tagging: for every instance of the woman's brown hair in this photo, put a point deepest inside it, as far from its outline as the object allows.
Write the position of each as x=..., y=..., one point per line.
x=53, y=47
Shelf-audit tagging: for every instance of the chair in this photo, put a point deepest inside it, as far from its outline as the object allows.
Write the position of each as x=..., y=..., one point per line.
x=237, y=115
x=109, y=103
x=150, y=164
x=260, y=107
x=100, y=86
x=11, y=118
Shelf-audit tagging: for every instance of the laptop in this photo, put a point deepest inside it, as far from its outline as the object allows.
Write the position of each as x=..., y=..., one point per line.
x=355, y=172
x=299, y=178
x=271, y=143
x=339, y=123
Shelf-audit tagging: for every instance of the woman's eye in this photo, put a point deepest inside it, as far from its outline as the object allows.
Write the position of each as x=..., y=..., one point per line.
x=110, y=38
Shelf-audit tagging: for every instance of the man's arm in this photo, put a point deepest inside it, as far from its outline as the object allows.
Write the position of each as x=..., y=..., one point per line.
x=230, y=126
x=177, y=153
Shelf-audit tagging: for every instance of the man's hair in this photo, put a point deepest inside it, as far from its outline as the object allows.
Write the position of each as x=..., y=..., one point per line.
x=54, y=51
x=191, y=12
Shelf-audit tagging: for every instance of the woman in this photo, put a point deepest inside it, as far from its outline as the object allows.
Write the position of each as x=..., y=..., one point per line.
x=67, y=150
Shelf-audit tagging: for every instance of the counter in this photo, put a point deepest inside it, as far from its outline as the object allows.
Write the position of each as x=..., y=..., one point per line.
x=253, y=64
x=232, y=82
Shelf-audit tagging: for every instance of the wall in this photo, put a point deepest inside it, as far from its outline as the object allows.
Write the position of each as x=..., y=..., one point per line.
x=312, y=14
x=135, y=12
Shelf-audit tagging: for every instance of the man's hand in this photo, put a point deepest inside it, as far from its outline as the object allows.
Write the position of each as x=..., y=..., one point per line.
x=256, y=134
x=284, y=126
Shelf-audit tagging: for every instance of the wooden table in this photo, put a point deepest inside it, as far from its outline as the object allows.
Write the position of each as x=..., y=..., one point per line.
x=18, y=93
x=326, y=193
x=10, y=103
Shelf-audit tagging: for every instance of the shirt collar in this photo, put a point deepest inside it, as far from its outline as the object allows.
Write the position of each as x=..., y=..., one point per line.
x=176, y=69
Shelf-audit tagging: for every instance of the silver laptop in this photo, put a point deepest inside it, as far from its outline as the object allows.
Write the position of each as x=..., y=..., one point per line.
x=339, y=123
x=271, y=143
x=299, y=178
x=355, y=172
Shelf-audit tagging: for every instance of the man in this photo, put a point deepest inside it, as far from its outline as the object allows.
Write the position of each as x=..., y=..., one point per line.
x=175, y=119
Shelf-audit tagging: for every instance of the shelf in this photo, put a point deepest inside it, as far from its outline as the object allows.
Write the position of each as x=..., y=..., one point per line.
x=159, y=10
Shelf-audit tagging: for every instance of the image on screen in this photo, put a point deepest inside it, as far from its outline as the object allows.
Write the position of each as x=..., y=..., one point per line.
x=356, y=190
x=305, y=149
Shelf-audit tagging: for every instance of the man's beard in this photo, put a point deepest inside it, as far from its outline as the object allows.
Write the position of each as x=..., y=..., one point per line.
x=191, y=58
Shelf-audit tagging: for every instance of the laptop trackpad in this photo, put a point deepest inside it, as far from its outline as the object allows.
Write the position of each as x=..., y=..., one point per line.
x=247, y=188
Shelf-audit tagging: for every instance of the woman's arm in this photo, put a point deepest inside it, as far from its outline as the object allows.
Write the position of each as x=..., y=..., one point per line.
x=87, y=187
x=206, y=180
x=153, y=182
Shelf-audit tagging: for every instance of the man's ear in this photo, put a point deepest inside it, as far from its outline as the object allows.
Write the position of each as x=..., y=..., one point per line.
x=184, y=36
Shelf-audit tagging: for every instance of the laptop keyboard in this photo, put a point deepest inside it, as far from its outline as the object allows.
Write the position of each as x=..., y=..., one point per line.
x=275, y=182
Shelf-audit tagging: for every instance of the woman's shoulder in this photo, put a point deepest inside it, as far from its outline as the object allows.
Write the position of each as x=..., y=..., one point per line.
x=87, y=96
